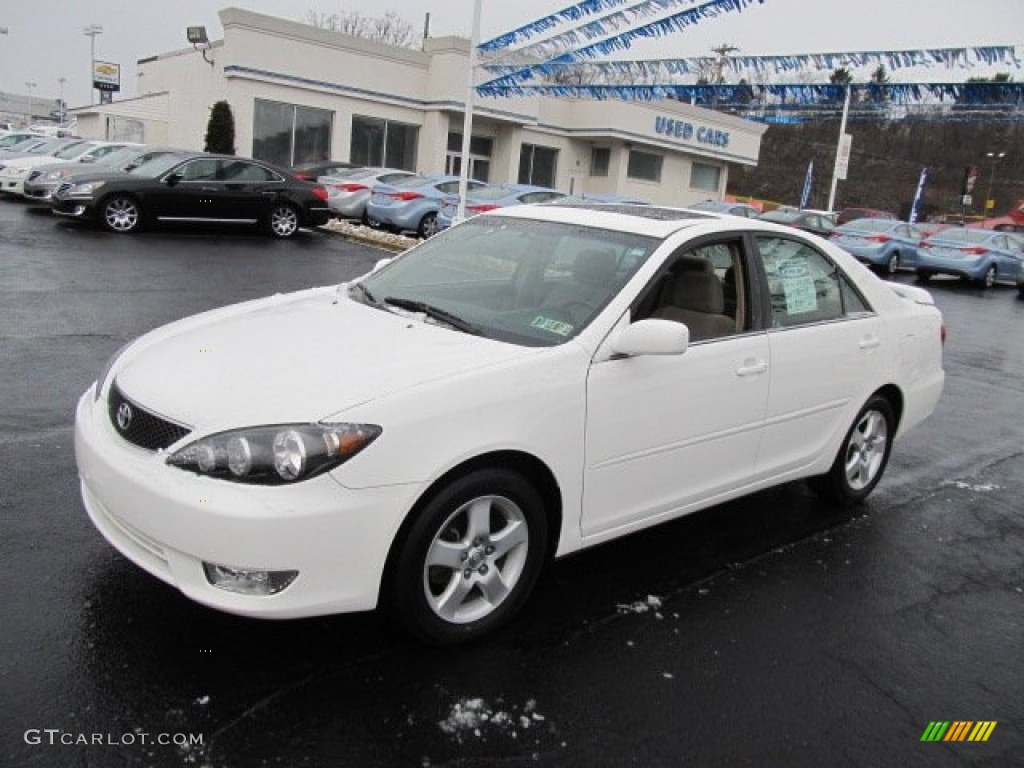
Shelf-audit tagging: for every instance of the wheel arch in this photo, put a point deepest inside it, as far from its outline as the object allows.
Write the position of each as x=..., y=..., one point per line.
x=526, y=464
x=894, y=395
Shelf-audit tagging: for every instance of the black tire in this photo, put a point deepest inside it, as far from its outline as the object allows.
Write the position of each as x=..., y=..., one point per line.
x=923, y=275
x=283, y=220
x=485, y=534
x=428, y=226
x=863, y=456
x=121, y=214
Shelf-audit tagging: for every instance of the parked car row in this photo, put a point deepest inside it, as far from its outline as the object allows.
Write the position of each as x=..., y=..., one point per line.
x=123, y=187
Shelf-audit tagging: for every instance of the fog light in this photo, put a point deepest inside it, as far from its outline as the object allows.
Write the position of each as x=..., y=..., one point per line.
x=244, y=581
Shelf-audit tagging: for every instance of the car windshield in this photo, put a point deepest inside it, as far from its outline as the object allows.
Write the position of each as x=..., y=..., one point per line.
x=533, y=283
x=119, y=157
x=74, y=150
x=784, y=217
x=156, y=165
x=709, y=205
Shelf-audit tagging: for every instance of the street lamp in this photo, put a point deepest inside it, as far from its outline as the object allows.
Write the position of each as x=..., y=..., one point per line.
x=60, y=105
x=993, y=157
x=91, y=31
x=30, y=84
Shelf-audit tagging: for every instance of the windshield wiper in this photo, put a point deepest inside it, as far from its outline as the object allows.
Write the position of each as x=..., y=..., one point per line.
x=434, y=312
x=370, y=298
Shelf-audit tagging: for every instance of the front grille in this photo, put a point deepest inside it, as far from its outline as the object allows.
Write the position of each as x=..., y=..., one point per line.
x=139, y=426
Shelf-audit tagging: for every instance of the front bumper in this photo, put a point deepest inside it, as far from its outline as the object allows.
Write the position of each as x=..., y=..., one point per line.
x=40, y=191
x=169, y=521
x=75, y=207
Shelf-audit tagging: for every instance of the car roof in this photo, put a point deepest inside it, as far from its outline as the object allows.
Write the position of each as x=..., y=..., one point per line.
x=655, y=221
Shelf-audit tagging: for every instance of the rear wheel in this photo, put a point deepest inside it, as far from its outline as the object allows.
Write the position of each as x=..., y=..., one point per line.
x=283, y=220
x=862, y=457
x=121, y=214
x=428, y=226
x=893, y=264
x=471, y=557
x=990, y=277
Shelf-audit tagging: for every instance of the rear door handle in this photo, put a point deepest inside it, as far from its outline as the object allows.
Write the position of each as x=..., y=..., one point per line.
x=752, y=368
x=869, y=342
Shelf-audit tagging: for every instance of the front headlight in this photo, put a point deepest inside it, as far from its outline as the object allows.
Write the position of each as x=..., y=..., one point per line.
x=275, y=455
x=19, y=172
x=86, y=188
x=53, y=176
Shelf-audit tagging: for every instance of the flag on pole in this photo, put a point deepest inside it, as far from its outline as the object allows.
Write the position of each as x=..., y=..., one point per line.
x=805, y=196
x=916, y=205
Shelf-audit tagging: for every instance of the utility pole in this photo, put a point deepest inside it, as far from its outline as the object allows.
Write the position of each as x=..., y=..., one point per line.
x=723, y=52
x=30, y=84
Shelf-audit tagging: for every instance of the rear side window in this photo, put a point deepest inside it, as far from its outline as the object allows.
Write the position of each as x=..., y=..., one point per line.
x=805, y=286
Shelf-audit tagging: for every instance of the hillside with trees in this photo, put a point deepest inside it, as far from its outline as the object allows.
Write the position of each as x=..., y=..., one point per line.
x=886, y=161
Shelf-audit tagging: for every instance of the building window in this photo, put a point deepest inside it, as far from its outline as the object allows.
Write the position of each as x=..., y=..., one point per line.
x=600, y=159
x=537, y=165
x=706, y=177
x=480, y=150
x=385, y=143
x=289, y=134
x=644, y=166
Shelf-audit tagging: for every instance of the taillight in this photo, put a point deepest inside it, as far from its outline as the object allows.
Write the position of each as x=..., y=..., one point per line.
x=404, y=196
x=304, y=176
x=482, y=208
x=350, y=187
x=923, y=244
x=975, y=250
x=320, y=192
x=942, y=332
x=879, y=238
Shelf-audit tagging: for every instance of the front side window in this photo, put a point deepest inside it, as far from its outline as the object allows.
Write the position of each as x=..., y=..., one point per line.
x=804, y=286
x=204, y=169
x=644, y=166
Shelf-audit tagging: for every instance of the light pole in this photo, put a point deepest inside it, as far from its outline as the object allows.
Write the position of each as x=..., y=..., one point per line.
x=993, y=157
x=30, y=84
x=60, y=105
x=91, y=31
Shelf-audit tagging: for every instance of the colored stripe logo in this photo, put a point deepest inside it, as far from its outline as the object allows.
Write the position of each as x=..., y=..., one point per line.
x=958, y=730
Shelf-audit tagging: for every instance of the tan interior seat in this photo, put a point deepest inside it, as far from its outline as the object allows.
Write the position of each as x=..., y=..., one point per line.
x=697, y=299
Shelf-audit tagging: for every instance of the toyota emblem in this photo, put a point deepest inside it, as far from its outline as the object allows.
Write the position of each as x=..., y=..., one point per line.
x=124, y=416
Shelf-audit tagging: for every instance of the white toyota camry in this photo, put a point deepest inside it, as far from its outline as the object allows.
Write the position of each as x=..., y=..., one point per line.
x=529, y=383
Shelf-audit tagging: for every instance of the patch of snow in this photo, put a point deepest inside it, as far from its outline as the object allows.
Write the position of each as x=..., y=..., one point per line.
x=976, y=488
x=478, y=718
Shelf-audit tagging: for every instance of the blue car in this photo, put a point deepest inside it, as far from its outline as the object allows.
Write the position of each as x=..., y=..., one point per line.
x=981, y=255
x=720, y=206
x=487, y=198
x=412, y=204
x=886, y=244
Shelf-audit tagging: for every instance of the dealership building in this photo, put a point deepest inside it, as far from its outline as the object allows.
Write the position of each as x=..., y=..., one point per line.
x=302, y=94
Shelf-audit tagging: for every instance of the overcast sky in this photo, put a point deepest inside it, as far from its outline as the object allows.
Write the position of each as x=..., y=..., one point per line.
x=45, y=40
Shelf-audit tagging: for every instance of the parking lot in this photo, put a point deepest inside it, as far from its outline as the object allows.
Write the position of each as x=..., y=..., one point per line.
x=776, y=630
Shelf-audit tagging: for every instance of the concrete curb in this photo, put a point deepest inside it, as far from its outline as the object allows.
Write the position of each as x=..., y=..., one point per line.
x=357, y=233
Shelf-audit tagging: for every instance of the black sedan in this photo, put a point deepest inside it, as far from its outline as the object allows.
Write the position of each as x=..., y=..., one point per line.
x=195, y=187
x=808, y=221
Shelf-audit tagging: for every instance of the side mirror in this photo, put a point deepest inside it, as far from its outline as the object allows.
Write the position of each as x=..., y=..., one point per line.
x=173, y=179
x=652, y=337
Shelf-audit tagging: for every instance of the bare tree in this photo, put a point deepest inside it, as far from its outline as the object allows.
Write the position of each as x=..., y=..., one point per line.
x=389, y=28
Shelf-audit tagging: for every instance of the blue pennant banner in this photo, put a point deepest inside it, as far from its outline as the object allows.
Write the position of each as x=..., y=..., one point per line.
x=639, y=71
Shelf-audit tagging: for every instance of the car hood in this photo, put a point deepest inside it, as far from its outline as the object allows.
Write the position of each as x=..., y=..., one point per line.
x=293, y=359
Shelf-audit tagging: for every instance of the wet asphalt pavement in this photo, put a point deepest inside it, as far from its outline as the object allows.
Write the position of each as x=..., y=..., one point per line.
x=774, y=631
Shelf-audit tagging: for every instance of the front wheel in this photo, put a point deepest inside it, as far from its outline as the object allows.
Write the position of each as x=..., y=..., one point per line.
x=120, y=214
x=283, y=220
x=863, y=456
x=471, y=557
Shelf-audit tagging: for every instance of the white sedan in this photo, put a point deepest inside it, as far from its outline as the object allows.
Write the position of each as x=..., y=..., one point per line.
x=529, y=383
